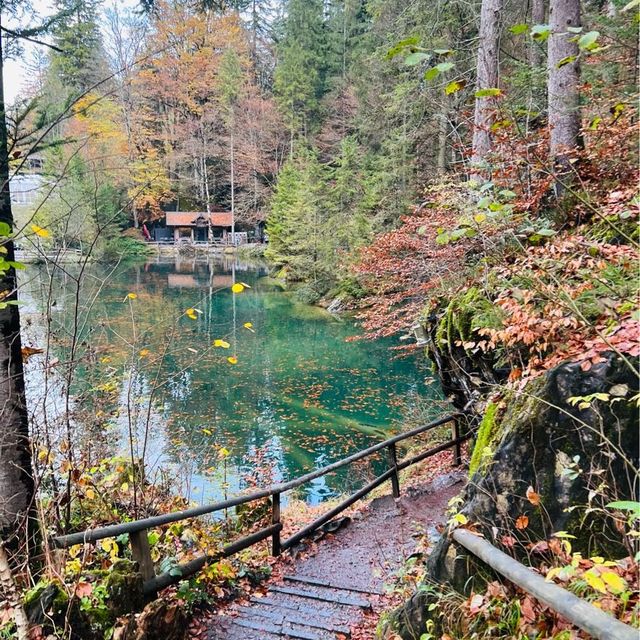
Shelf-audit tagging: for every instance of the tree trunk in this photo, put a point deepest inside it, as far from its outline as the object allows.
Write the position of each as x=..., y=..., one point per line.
x=487, y=78
x=563, y=87
x=13, y=595
x=16, y=475
x=443, y=126
x=233, y=188
x=538, y=16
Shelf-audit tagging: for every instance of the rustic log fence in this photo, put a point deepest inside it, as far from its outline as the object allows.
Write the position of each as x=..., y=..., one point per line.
x=137, y=529
x=579, y=612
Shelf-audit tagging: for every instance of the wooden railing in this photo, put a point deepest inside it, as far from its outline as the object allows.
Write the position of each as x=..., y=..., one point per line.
x=137, y=529
x=581, y=613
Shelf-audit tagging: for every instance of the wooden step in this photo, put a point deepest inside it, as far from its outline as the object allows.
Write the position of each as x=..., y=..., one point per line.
x=285, y=630
x=298, y=606
x=319, y=582
x=278, y=616
x=348, y=599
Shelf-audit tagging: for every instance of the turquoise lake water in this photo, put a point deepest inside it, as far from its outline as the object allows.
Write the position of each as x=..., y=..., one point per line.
x=300, y=396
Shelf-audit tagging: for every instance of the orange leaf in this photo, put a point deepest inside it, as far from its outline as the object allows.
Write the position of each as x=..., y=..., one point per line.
x=533, y=497
x=522, y=522
x=83, y=589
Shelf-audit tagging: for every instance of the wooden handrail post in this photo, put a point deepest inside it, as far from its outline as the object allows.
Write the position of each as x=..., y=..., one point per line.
x=276, y=548
x=393, y=464
x=457, y=452
x=141, y=553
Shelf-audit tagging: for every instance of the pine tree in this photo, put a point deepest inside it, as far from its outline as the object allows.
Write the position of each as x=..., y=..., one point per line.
x=301, y=73
x=81, y=61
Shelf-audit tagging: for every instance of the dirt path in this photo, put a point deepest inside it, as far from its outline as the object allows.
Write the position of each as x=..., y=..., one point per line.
x=329, y=589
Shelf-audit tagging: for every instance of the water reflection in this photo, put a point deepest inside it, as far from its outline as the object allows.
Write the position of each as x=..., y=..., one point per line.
x=300, y=396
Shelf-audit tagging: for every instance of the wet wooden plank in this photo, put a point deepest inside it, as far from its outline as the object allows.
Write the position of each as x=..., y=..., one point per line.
x=278, y=616
x=319, y=582
x=285, y=630
x=327, y=596
x=299, y=605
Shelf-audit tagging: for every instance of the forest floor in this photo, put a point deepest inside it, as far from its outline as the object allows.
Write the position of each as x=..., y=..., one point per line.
x=337, y=587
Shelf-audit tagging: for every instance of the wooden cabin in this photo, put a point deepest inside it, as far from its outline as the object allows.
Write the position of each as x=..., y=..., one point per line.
x=194, y=226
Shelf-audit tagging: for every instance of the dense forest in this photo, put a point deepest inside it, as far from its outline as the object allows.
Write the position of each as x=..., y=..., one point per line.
x=460, y=177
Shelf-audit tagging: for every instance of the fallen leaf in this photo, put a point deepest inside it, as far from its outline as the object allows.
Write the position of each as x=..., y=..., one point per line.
x=522, y=522
x=83, y=589
x=27, y=352
x=533, y=497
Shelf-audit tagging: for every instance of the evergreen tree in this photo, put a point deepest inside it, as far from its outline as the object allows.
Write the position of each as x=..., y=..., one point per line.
x=301, y=73
x=300, y=238
x=80, y=62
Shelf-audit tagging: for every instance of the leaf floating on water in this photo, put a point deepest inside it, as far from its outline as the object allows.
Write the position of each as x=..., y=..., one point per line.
x=249, y=326
x=221, y=343
x=191, y=313
x=144, y=353
x=232, y=360
x=238, y=287
x=131, y=295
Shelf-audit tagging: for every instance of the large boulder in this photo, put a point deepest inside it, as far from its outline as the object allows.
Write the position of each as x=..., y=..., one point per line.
x=544, y=462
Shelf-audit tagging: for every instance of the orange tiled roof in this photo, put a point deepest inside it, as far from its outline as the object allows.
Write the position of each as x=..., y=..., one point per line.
x=188, y=218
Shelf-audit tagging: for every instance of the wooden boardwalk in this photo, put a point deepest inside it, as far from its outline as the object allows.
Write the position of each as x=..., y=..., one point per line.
x=327, y=592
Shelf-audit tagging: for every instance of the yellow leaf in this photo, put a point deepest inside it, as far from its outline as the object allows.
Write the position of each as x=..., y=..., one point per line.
x=221, y=343
x=595, y=582
x=206, y=432
x=480, y=217
x=124, y=486
x=223, y=453
x=132, y=296
x=238, y=287
x=615, y=583
x=191, y=313
x=90, y=493
x=144, y=353
x=110, y=546
x=75, y=550
x=39, y=231
x=248, y=325
x=232, y=360
x=552, y=573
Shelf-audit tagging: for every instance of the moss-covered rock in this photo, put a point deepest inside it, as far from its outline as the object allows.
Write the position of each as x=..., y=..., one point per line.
x=576, y=456
x=109, y=595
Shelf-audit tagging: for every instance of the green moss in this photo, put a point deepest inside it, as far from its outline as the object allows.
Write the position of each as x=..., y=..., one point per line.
x=467, y=312
x=486, y=433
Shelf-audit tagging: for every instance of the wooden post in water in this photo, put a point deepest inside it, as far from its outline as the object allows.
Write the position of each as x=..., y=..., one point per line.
x=275, y=519
x=393, y=464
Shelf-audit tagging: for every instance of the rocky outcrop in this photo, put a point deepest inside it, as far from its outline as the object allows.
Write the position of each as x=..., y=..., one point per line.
x=547, y=463
x=465, y=376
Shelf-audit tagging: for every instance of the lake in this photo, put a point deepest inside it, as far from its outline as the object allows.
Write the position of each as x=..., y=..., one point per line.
x=287, y=390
